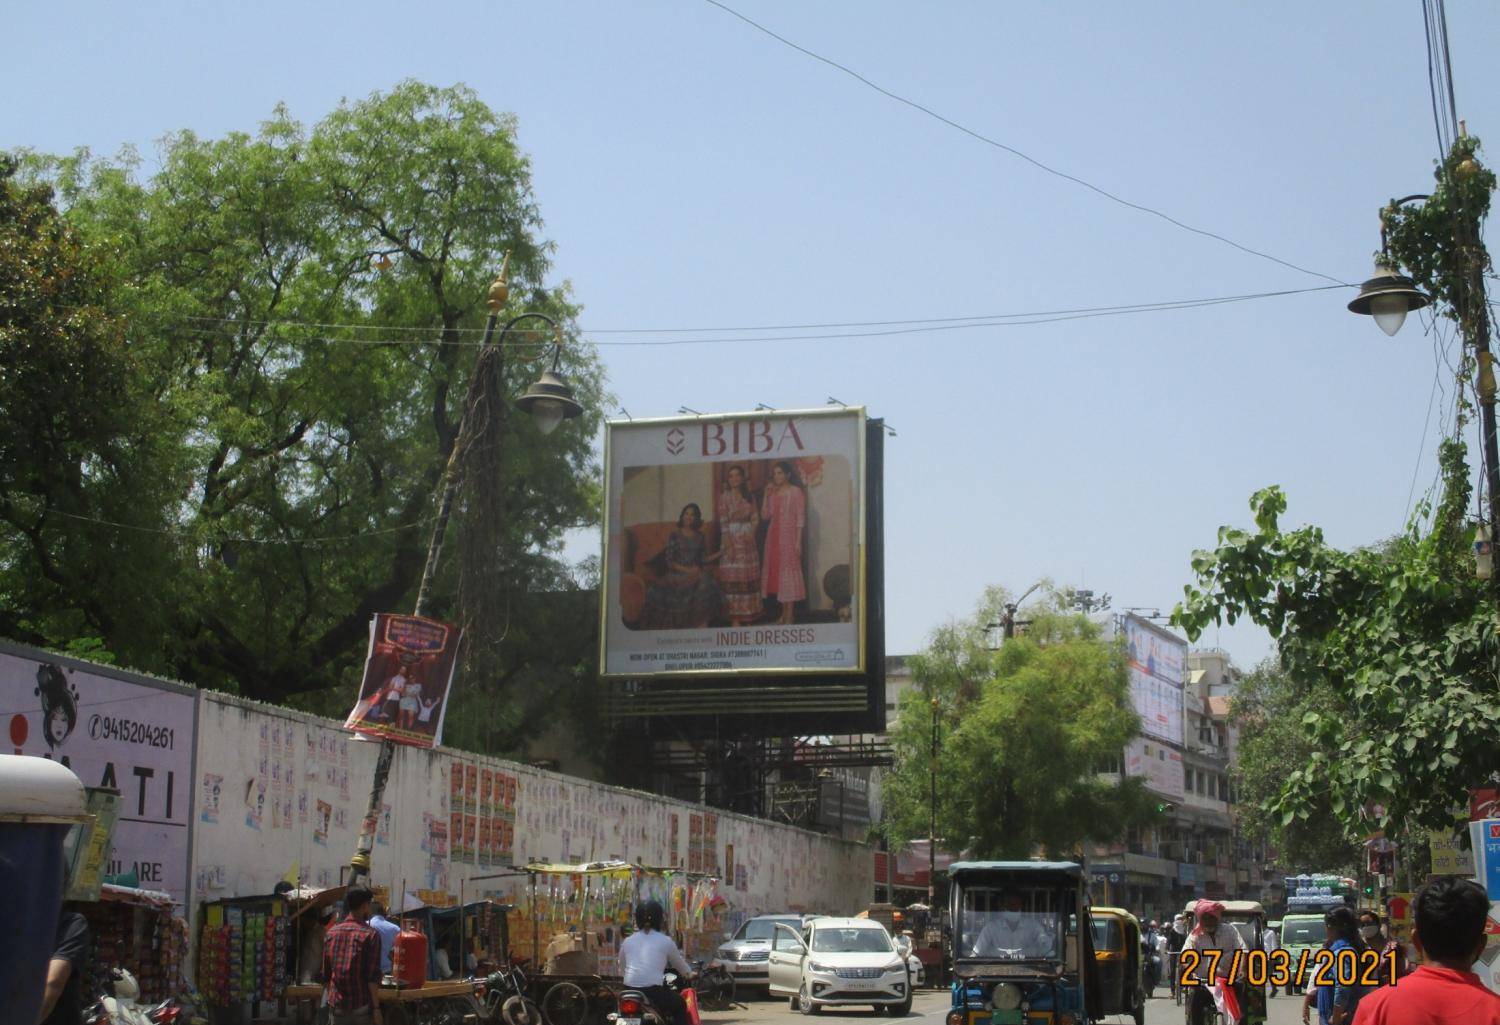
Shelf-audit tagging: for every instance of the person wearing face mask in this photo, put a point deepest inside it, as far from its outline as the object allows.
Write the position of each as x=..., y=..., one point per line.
x=1388, y=946
x=1212, y=934
x=1010, y=930
x=1449, y=936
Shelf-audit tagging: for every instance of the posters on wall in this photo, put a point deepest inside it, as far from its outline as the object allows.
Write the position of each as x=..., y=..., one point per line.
x=408, y=670
x=1161, y=766
x=1156, y=659
x=118, y=735
x=735, y=543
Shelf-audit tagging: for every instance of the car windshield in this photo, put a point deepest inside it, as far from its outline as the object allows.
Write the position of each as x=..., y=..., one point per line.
x=1107, y=934
x=763, y=928
x=1010, y=923
x=1308, y=933
x=853, y=940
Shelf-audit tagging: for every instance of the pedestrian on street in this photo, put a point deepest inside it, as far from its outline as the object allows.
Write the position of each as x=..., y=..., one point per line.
x=62, y=1000
x=1176, y=937
x=1449, y=936
x=351, y=964
x=1377, y=939
x=388, y=931
x=1338, y=1002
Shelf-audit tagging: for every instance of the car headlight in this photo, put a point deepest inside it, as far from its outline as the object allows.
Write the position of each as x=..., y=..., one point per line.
x=727, y=954
x=895, y=966
x=818, y=966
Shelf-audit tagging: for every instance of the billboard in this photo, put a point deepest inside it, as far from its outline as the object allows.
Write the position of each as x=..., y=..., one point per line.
x=117, y=734
x=408, y=669
x=1159, y=765
x=735, y=545
x=1156, y=660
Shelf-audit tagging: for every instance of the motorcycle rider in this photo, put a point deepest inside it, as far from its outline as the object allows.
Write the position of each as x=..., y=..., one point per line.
x=1211, y=933
x=644, y=957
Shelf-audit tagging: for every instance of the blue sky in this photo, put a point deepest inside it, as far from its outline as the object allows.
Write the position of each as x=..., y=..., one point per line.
x=694, y=172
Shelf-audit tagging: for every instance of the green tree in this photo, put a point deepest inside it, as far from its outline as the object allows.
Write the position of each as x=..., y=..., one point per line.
x=1267, y=710
x=304, y=307
x=64, y=390
x=1023, y=732
x=1401, y=635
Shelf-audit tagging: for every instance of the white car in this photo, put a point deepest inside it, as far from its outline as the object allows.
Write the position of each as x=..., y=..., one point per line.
x=840, y=962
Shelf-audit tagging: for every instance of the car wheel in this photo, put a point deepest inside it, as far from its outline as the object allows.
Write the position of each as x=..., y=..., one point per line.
x=805, y=1005
x=900, y=1010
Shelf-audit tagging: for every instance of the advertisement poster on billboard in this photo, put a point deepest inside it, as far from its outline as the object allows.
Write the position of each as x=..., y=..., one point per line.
x=1159, y=765
x=408, y=670
x=1156, y=659
x=734, y=544
x=117, y=735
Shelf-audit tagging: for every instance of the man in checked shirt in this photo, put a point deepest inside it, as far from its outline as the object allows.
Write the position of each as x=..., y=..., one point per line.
x=351, y=964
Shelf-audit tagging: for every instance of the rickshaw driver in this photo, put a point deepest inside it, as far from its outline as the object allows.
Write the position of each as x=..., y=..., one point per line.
x=1010, y=930
x=1210, y=934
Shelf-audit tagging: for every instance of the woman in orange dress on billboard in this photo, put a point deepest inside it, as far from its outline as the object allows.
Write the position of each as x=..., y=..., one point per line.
x=739, y=566
x=784, y=508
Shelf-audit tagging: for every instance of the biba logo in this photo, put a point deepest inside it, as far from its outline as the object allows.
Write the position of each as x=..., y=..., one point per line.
x=740, y=438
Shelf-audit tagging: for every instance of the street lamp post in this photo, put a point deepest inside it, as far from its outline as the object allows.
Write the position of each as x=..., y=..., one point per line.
x=932, y=815
x=1389, y=295
x=550, y=401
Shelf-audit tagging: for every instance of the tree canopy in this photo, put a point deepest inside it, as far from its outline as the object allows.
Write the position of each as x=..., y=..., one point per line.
x=250, y=468
x=1023, y=735
x=1267, y=710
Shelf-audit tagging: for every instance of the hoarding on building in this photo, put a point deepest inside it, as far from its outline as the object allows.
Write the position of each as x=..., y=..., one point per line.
x=735, y=545
x=1159, y=765
x=114, y=733
x=1156, y=660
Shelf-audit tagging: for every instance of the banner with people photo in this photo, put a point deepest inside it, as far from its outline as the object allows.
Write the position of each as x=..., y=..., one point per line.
x=408, y=670
x=735, y=543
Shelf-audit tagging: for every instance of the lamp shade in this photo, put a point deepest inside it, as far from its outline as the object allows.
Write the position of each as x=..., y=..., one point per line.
x=550, y=401
x=1388, y=297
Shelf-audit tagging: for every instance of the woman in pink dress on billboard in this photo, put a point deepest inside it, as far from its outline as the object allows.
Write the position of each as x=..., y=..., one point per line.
x=784, y=508
x=739, y=568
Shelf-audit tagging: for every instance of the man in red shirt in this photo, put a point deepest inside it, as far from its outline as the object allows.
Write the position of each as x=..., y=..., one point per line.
x=351, y=964
x=1449, y=934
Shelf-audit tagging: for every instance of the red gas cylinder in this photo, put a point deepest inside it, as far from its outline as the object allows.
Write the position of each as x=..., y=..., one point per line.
x=409, y=958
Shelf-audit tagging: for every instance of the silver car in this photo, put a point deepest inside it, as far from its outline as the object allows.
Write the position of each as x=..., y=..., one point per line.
x=746, y=953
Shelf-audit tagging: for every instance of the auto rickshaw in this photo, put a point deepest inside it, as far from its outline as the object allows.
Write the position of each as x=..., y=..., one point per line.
x=1022, y=947
x=1248, y=918
x=1117, y=952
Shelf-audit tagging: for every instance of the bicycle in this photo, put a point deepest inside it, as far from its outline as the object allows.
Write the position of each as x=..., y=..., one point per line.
x=715, y=987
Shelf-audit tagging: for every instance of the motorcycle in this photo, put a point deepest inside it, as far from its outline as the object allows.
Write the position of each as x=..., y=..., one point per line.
x=503, y=994
x=633, y=1007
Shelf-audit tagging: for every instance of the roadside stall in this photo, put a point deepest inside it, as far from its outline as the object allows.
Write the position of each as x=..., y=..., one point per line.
x=573, y=919
x=248, y=952
x=135, y=929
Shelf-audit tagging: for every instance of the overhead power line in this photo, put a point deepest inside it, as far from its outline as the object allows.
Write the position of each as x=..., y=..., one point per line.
x=990, y=141
x=919, y=325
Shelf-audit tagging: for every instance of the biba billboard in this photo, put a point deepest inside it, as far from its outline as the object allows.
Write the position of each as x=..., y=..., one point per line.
x=734, y=544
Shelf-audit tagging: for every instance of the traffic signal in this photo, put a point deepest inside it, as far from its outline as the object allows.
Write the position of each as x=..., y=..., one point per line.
x=1165, y=808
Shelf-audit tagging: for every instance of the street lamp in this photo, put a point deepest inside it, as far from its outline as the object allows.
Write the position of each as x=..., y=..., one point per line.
x=550, y=401
x=1389, y=295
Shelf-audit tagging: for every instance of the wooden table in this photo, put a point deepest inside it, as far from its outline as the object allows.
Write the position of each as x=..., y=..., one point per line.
x=390, y=995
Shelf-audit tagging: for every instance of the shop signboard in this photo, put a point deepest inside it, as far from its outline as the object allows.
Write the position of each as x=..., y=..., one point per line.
x=1486, y=838
x=735, y=545
x=1156, y=658
x=117, y=731
x=1449, y=857
x=1159, y=765
x=408, y=671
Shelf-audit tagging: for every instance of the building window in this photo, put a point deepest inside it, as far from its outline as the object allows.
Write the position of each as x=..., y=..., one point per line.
x=1187, y=778
x=1202, y=777
x=1213, y=786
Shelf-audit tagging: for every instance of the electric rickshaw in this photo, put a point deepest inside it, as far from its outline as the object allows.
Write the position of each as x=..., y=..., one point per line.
x=1022, y=944
x=1248, y=918
x=1122, y=971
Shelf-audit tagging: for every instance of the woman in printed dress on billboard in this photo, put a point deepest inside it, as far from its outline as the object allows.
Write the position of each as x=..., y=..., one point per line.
x=784, y=508
x=686, y=594
x=739, y=564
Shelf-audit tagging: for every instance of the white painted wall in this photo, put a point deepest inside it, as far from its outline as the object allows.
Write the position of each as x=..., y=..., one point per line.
x=303, y=760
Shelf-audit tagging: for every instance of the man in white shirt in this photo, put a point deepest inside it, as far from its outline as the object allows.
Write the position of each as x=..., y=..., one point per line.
x=1012, y=932
x=644, y=957
x=1212, y=934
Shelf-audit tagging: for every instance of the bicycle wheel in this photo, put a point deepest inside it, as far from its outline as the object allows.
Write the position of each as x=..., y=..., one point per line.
x=519, y=1010
x=716, y=989
x=565, y=1004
